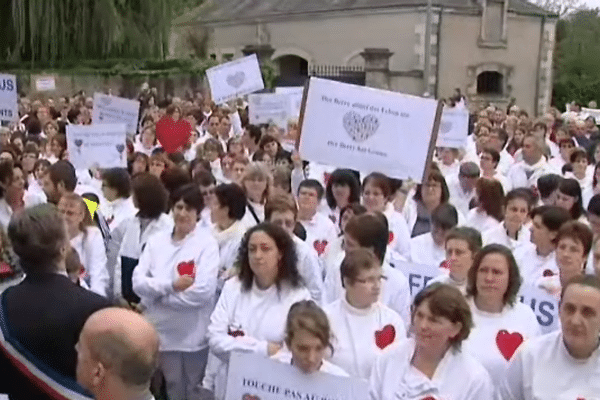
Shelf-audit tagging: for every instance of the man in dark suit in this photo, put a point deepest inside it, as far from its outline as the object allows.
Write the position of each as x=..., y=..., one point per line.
x=41, y=318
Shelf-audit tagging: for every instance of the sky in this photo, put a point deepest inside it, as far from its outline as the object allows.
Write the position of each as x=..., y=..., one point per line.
x=592, y=3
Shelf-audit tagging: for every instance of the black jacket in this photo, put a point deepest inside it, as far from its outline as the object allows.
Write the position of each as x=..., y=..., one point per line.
x=45, y=313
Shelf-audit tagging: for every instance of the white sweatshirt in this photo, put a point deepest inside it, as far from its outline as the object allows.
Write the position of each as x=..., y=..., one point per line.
x=481, y=221
x=362, y=335
x=423, y=250
x=395, y=292
x=447, y=279
x=118, y=211
x=285, y=356
x=458, y=376
x=543, y=369
x=399, y=236
x=496, y=336
x=181, y=318
x=229, y=243
x=320, y=231
x=248, y=321
x=533, y=266
x=498, y=235
x=92, y=254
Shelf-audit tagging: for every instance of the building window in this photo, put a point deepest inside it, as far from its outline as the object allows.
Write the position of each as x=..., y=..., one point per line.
x=490, y=83
x=227, y=57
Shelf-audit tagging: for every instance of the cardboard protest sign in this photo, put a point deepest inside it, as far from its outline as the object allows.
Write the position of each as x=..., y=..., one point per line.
x=234, y=79
x=454, y=128
x=368, y=129
x=252, y=376
x=45, y=84
x=418, y=275
x=9, y=110
x=269, y=109
x=295, y=95
x=116, y=110
x=544, y=305
x=101, y=145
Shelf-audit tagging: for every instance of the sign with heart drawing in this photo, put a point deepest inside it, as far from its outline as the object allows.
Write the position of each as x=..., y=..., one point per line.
x=454, y=128
x=234, y=79
x=254, y=377
x=100, y=145
x=116, y=110
x=367, y=129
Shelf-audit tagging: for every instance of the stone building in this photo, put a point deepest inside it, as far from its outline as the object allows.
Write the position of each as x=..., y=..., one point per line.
x=493, y=50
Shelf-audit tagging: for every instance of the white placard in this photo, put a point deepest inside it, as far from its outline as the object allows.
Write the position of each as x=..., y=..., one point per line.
x=591, y=112
x=254, y=377
x=116, y=110
x=418, y=275
x=544, y=305
x=234, y=79
x=9, y=110
x=367, y=129
x=295, y=93
x=269, y=109
x=454, y=128
x=45, y=84
x=101, y=145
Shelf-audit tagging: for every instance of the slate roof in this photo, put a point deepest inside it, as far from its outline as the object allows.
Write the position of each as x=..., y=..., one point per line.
x=214, y=11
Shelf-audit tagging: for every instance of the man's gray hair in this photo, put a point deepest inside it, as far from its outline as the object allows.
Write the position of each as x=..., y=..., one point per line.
x=37, y=235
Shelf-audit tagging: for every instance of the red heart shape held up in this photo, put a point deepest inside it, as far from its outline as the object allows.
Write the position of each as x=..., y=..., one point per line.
x=173, y=135
x=385, y=337
x=320, y=246
x=446, y=264
x=429, y=398
x=186, y=268
x=548, y=273
x=508, y=343
x=250, y=397
x=390, y=237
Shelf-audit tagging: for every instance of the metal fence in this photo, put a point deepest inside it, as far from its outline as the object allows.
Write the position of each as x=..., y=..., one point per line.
x=354, y=75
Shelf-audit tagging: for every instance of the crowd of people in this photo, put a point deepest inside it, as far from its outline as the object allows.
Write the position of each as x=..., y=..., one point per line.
x=233, y=243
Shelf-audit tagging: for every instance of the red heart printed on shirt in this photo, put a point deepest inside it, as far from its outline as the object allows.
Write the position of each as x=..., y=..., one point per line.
x=446, y=264
x=428, y=398
x=320, y=246
x=186, y=268
x=250, y=397
x=548, y=273
x=238, y=333
x=173, y=135
x=385, y=337
x=390, y=237
x=508, y=343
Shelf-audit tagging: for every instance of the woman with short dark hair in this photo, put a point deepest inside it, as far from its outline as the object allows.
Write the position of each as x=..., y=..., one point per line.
x=116, y=189
x=342, y=189
x=493, y=284
x=251, y=312
x=432, y=363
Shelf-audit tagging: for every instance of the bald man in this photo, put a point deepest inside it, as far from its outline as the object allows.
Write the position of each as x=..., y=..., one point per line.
x=117, y=354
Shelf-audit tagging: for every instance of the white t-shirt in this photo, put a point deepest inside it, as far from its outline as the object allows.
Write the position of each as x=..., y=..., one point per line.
x=543, y=369
x=320, y=231
x=496, y=336
x=423, y=250
x=533, y=266
x=361, y=335
x=284, y=356
x=498, y=235
x=458, y=376
x=480, y=220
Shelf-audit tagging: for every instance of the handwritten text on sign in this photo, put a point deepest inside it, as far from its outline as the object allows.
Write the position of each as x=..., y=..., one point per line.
x=253, y=376
x=101, y=145
x=269, y=109
x=366, y=129
x=234, y=79
x=418, y=275
x=116, y=110
x=9, y=110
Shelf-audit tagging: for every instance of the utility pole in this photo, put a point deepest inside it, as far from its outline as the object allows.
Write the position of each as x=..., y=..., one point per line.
x=427, y=53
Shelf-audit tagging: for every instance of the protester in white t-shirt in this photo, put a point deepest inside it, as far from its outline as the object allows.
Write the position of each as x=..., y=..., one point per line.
x=256, y=183
x=502, y=323
x=582, y=172
x=371, y=232
x=512, y=232
x=320, y=230
x=488, y=212
x=537, y=259
x=432, y=365
x=569, y=197
x=116, y=189
x=564, y=364
x=251, y=312
x=462, y=244
x=462, y=188
x=428, y=249
x=566, y=147
x=448, y=161
x=308, y=338
x=573, y=245
x=342, y=188
x=363, y=327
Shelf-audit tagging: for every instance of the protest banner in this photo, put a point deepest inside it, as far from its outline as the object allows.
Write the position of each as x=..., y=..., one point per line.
x=368, y=129
x=454, y=128
x=591, y=112
x=100, y=145
x=9, y=110
x=295, y=95
x=234, y=79
x=544, y=305
x=418, y=275
x=269, y=109
x=252, y=376
x=45, y=84
x=116, y=110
